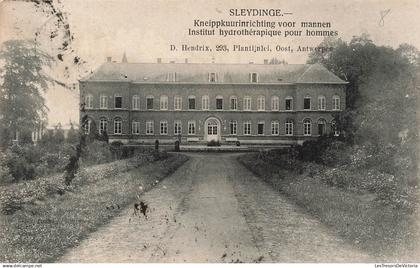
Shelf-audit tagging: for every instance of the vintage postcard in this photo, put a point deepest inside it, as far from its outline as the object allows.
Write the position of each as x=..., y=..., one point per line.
x=217, y=132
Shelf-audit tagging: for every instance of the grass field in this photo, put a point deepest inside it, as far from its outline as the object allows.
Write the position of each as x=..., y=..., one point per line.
x=381, y=230
x=42, y=230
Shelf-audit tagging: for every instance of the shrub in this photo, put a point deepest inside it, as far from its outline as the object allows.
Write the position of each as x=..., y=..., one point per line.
x=359, y=156
x=116, y=150
x=149, y=155
x=5, y=175
x=339, y=177
x=213, y=143
x=28, y=161
x=127, y=152
x=97, y=152
x=21, y=160
x=335, y=154
x=116, y=144
x=157, y=155
x=312, y=150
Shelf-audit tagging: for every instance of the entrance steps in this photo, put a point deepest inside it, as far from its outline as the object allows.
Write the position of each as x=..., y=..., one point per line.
x=230, y=148
x=222, y=148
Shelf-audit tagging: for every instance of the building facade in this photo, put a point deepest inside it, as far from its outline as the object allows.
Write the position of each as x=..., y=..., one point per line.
x=198, y=103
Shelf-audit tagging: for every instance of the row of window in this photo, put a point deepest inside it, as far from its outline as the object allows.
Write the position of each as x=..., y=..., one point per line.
x=205, y=103
x=212, y=77
x=233, y=127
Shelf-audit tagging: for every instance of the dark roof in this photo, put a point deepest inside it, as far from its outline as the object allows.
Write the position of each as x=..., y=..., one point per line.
x=226, y=73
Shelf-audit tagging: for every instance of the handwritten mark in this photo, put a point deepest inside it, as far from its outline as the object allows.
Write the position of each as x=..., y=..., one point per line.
x=141, y=207
x=384, y=13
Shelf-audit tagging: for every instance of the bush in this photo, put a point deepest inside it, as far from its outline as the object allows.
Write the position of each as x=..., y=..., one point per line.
x=335, y=154
x=116, y=150
x=21, y=160
x=213, y=143
x=149, y=155
x=5, y=175
x=97, y=152
x=28, y=161
x=354, y=169
x=157, y=155
x=312, y=150
x=127, y=151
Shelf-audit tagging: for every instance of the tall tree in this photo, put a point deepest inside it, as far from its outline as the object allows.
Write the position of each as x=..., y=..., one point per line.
x=22, y=80
x=350, y=61
x=411, y=53
x=379, y=80
x=73, y=135
x=59, y=134
x=277, y=61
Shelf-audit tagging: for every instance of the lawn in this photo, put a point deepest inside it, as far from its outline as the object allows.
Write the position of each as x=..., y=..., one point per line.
x=383, y=230
x=42, y=229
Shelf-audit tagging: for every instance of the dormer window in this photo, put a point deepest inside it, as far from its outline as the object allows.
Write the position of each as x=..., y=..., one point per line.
x=171, y=77
x=254, y=77
x=212, y=77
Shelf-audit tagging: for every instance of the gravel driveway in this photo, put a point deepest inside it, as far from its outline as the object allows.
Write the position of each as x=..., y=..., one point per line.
x=214, y=210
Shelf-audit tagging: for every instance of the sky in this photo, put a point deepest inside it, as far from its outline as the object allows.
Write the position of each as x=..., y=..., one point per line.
x=145, y=30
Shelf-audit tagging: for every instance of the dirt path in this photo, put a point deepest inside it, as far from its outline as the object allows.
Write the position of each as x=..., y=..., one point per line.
x=213, y=210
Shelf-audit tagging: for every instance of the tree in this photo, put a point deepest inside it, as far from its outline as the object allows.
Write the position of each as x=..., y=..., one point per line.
x=73, y=165
x=104, y=136
x=277, y=61
x=411, y=53
x=59, y=134
x=73, y=135
x=22, y=81
x=47, y=139
x=93, y=133
x=382, y=100
x=378, y=77
x=351, y=62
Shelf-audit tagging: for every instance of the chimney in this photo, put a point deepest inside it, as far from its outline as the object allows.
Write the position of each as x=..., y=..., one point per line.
x=265, y=61
x=186, y=60
x=159, y=60
x=108, y=59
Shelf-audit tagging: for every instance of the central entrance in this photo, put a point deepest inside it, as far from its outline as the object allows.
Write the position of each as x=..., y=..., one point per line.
x=212, y=128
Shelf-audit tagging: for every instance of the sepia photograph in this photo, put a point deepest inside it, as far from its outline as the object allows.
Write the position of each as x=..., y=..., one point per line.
x=209, y=132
